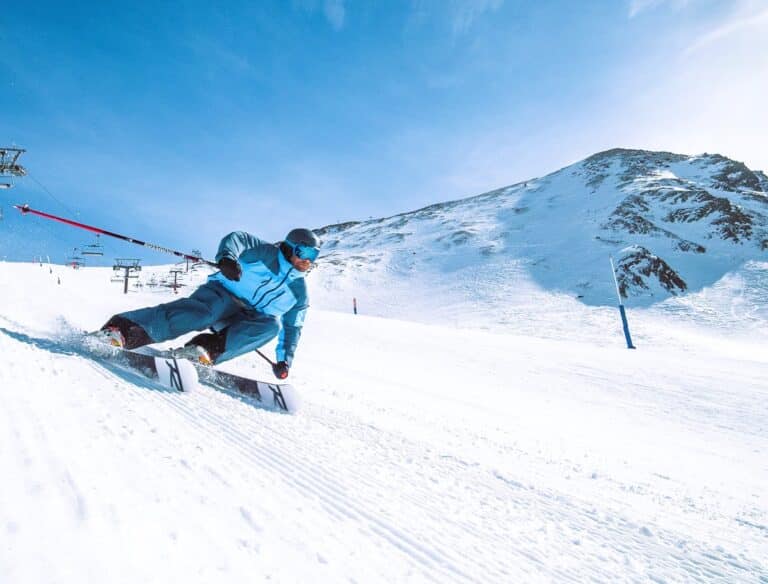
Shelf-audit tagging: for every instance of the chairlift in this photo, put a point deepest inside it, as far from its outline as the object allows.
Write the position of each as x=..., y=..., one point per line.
x=93, y=249
x=75, y=260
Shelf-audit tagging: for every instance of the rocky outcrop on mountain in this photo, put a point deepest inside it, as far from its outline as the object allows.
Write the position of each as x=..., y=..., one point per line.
x=689, y=201
x=763, y=180
x=637, y=266
x=733, y=176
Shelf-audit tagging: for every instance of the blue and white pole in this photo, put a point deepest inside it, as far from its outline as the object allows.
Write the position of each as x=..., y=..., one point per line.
x=624, y=322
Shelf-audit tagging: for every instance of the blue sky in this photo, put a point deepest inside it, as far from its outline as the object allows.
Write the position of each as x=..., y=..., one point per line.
x=177, y=122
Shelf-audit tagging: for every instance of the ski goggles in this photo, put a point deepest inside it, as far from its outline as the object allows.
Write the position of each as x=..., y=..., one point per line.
x=304, y=252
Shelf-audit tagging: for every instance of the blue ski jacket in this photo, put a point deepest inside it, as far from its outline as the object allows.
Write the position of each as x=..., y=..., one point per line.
x=269, y=284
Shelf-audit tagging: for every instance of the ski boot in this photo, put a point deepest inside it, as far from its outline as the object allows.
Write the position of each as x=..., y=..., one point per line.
x=123, y=333
x=205, y=348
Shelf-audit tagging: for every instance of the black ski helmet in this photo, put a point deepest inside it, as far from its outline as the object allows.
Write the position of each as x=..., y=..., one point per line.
x=300, y=238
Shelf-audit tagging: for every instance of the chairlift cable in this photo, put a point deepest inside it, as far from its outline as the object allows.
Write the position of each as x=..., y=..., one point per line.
x=50, y=194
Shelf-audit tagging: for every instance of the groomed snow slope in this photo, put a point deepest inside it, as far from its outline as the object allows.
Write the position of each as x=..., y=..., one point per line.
x=422, y=453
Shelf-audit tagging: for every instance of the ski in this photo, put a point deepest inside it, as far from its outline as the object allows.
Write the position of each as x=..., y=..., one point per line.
x=280, y=396
x=176, y=370
x=167, y=369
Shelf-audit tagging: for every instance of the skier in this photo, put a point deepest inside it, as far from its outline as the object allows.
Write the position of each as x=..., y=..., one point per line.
x=258, y=293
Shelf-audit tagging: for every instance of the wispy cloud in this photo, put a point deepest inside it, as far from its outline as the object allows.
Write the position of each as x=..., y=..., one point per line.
x=711, y=98
x=335, y=11
x=217, y=51
x=460, y=14
x=466, y=12
x=741, y=23
x=638, y=6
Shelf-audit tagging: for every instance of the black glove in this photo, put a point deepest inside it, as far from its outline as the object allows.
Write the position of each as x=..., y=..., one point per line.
x=230, y=268
x=280, y=369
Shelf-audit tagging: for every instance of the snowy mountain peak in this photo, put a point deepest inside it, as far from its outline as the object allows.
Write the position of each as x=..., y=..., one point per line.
x=675, y=223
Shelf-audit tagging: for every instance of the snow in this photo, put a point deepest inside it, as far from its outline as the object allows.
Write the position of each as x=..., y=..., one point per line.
x=424, y=451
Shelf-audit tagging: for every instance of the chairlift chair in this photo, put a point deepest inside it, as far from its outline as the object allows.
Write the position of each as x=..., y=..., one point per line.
x=93, y=249
x=75, y=260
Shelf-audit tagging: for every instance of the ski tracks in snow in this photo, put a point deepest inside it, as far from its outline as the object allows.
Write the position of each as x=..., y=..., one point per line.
x=210, y=486
x=223, y=452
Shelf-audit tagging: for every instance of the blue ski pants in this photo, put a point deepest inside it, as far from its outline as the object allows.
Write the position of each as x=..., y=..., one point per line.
x=208, y=306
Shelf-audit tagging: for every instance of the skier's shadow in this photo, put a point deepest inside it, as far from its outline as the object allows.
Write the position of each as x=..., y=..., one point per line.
x=72, y=348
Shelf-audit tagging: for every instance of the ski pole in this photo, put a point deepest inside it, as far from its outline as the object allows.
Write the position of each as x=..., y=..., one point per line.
x=276, y=369
x=267, y=359
x=26, y=209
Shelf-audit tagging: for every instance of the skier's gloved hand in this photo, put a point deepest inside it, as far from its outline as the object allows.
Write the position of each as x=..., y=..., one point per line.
x=280, y=369
x=230, y=268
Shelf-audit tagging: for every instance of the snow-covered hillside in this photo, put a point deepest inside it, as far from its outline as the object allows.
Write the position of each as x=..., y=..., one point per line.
x=689, y=235
x=423, y=452
x=675, y=224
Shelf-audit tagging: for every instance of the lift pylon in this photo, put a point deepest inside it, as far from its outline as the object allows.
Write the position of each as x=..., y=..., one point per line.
x=127, y=265
x=9, y=166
